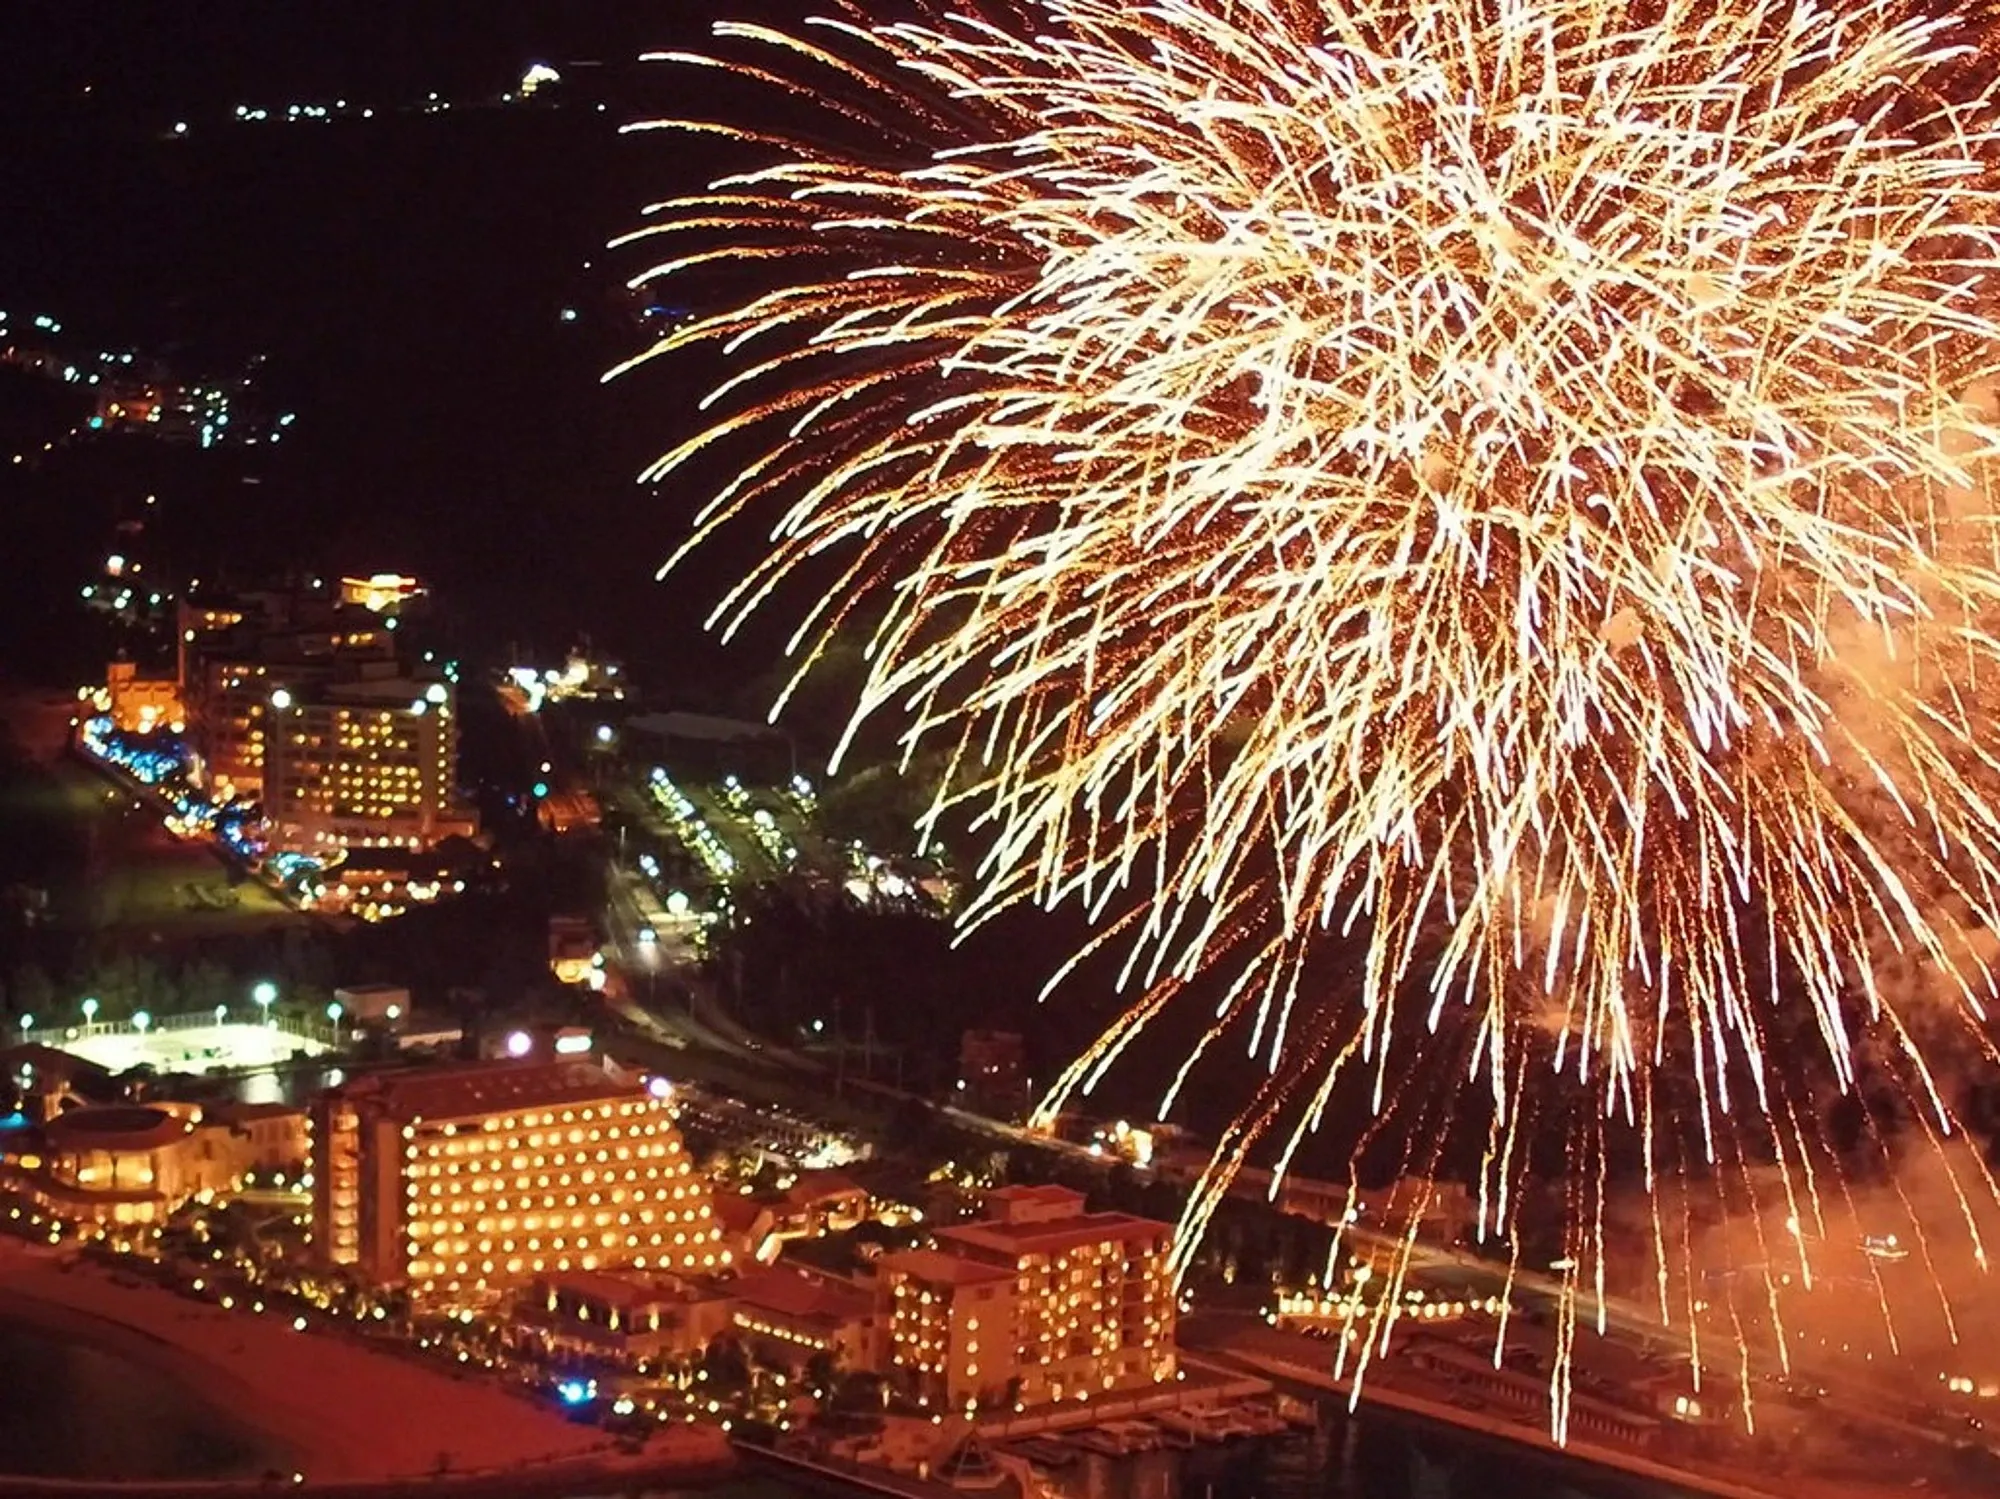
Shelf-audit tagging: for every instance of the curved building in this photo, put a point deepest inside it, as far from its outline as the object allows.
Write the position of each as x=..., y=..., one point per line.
x=136, y=1163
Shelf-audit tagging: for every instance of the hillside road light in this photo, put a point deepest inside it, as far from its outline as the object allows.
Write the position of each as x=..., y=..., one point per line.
x=141, y=1022
x=265, y=993
x=90, y=1012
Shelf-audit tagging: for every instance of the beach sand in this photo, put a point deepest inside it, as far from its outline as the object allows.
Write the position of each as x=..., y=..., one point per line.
x=344, y=1411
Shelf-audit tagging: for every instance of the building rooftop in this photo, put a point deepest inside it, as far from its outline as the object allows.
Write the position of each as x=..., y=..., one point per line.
x=482, y=1088
x=115, y=1127
x=804, y=1295
x=1004, y=1202
x=739, y=1213
x=1050, y=1235
x=939, y=1268
x=48, y=1063
x=701, y=726
x=817, y=1186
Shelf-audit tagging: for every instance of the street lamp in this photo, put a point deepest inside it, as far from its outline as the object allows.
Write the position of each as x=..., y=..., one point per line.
x=90, y=1012
x=141, y=1021
x=266, y=994
x=27, y=1024
x=221, y=1013
x=333, y=1014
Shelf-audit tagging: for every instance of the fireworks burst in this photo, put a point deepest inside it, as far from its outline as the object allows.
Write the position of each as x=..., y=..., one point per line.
x=1495, y=488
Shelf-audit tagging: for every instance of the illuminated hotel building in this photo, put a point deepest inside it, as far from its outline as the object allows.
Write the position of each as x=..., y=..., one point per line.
x=296, y=699
x=1040, y=1297
x=370, y=763
x=234, y=652
x=463, y=1181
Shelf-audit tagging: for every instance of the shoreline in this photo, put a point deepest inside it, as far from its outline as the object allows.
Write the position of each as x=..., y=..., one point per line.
x=352, y=1418
x=214, y=1394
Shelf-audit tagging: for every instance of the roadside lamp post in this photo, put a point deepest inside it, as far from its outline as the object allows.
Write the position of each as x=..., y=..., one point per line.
x=27, y=1024
x=221, y=1013
x=90, y=1012
x=333, y=1014
x=265, y=993
x=141, y=1022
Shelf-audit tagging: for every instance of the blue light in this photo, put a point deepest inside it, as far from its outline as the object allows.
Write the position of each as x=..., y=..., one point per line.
x=541, y=789
x=573, y=1391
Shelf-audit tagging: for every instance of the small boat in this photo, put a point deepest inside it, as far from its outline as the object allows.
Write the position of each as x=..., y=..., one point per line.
x=1044, y=1453
x=1138, y=1436
x=1095, y=1439
x=1189, y=1424
x=1299, y=1414
x=1262, y=1421
x=1226, y=1426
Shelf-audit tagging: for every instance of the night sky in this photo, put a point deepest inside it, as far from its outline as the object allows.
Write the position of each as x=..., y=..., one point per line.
x=406, y=277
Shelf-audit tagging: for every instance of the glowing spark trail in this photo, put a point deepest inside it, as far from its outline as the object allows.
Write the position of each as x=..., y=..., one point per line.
x=1461, y=525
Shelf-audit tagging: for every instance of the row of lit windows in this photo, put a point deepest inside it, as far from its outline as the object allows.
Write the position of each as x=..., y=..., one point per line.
x=474, y=1193
x=548, y=1218
x=451, y=1145
x=430, y=1271
x=484, y=1176
x=623, y=1109
x=481, y=1189
x=610, y=1236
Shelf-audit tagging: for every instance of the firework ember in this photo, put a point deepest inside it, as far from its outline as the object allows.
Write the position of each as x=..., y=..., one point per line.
x=1461, y=525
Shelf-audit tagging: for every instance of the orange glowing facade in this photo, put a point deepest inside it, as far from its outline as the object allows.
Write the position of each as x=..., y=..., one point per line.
x=1040, y=1299
x=236, y=652
x=299, y=701
x=365, y=764
x=464, y=1181
x=380, y=593
x=137, y=704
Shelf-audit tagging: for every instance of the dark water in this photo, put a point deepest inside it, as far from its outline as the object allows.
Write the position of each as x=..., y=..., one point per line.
x=1369, y=1456
x=80, y=1410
